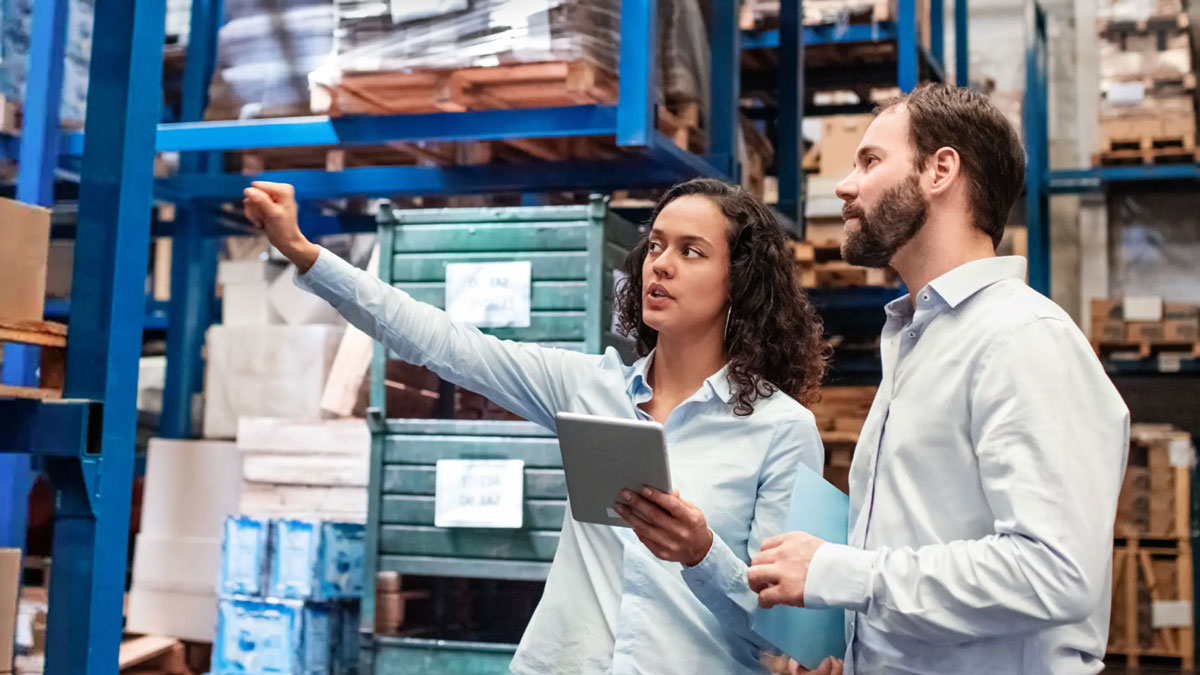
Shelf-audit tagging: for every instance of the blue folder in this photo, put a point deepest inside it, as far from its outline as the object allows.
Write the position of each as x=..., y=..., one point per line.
x=810, y=635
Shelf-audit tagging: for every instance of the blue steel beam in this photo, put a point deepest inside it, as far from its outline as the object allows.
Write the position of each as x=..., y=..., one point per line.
x=637, y=70
x=1034, y=112
x=908, y=69
x=35, y=185
x=91, y=530
x=193, y=253
x=48, y=428
x=419, y=180
x=962, y=47
x=824, y=34
x=1078, y=181
x=724, y=87
x=791, y=113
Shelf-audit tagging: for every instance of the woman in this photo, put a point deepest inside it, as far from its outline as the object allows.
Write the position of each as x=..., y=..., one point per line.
x=729, y=345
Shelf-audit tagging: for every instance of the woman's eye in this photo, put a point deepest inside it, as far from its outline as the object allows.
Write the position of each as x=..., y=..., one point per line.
x=655, y=247
x=692, y=252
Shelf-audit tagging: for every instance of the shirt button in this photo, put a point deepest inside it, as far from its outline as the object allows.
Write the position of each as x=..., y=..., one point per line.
x=925, y=296
x=911, y=334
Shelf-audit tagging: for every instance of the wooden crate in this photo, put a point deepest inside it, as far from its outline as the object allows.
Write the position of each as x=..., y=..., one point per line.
x=1155, y=498
x=51, y=338
x=1151, y=620
x=820, y=266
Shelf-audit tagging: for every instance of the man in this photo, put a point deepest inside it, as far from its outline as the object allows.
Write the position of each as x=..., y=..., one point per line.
x=984, y=486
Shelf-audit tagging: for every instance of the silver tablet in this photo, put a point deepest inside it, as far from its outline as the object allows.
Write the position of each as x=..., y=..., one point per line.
x=604, y=455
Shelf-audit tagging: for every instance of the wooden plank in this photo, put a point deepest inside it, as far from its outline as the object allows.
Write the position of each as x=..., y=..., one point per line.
x=419, y=510
x=546, y=265
x=38, y=393
x=543, y=295
x=427, y=450
x=421, y=480
x=492, y=237
x=40, y=333
x=142, y=649
x=464, y=543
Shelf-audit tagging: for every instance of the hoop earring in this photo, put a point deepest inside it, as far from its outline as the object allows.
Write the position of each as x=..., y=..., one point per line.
x=726, y=336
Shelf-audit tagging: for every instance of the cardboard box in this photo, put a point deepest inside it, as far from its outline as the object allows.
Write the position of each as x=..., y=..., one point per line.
x=271, y=636
x=840, y=136
x=1108, y=330
x=1181, y=330
x=1104, y=308
x=1138, y=331
x=24, y=251
x=245, y=556
x=319, y=561
x=10, y=589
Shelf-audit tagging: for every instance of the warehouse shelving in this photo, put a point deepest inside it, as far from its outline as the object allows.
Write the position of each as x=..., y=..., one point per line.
x=87, y=439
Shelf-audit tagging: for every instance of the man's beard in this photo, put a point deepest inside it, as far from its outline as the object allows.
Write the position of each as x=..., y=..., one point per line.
x=897, y=218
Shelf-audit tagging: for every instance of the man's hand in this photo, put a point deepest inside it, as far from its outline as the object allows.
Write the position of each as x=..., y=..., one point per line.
x=778, y=573
x=674, y=529
x=272, y=208
x=829, y=666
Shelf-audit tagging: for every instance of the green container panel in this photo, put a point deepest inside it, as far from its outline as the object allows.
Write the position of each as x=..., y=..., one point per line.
x=421, y=481
x=540, y=514
x=467, y=543
x=427, y=450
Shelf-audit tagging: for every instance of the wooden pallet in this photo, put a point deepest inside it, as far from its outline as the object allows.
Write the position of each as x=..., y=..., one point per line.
x=1146, y=348
x=52, y=339
x=1178, y=20
x=1149, y=580
x=681, y=125
x=1164, y=83
x=764, y=14
x=526, y=85
x=1157, y=156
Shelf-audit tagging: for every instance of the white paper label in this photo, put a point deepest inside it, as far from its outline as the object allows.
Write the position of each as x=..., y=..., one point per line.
x=1143, y=307
x=1171, y=614
x=480, y=493
x=489, y=295
x=1170, y=363
x=1181, y=452
x=1126, y=92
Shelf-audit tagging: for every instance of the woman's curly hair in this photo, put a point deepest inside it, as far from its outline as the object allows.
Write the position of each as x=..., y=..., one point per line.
x=775, y=337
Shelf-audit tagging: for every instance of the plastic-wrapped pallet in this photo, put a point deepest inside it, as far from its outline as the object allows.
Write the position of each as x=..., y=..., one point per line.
x=16, y=20
x=264, y=55
x=442, y=35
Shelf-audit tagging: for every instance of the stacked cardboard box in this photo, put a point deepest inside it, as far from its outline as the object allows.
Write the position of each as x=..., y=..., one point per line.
x=1144, y=319
x=290, y=592
x=1147, y=82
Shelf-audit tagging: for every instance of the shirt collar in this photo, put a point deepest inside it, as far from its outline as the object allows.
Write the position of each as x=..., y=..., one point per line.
x=968, y=279
x=717, y=383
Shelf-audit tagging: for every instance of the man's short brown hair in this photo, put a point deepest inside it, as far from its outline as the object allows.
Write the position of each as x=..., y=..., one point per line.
x=944, y=116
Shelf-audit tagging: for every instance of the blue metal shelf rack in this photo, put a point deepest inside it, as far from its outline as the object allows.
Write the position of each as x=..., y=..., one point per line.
x=86, y=441
x=1041, y=182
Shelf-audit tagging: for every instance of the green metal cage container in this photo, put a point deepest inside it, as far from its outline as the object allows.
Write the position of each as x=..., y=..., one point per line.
x=574, y=253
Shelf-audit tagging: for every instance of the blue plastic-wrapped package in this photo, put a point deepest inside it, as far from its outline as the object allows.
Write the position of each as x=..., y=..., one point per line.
x=245, y=554
x=272, y=637
x=315, y=560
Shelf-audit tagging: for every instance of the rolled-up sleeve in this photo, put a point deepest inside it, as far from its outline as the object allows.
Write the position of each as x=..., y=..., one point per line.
x=531, y=381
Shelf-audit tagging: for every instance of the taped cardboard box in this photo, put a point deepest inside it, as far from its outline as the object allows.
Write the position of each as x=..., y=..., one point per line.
x=10, y=584
x=24, y=247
